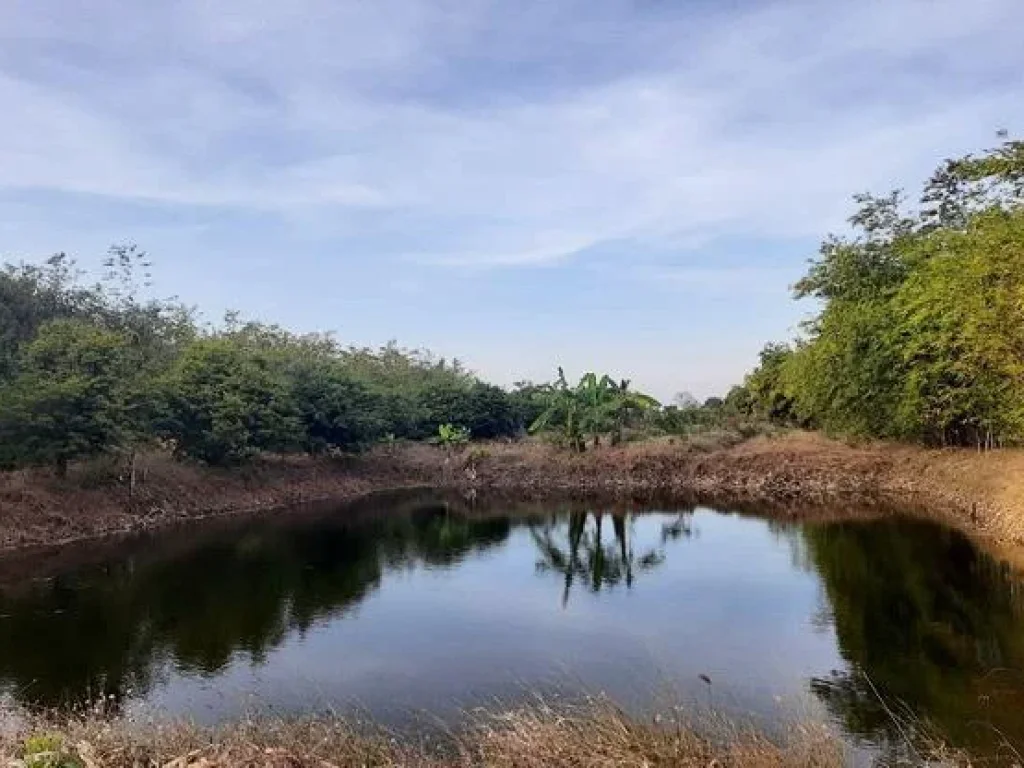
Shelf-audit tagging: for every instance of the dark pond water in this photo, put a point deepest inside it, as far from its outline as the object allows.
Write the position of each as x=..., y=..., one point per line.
x=414, y=604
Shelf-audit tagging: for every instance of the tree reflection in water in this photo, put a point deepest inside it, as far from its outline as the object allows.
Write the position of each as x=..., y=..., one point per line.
x=578, y=551
x=200, y=600
x=926, y=624
x=932, y=630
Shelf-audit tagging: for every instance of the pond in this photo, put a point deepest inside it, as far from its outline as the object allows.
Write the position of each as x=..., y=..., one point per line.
x=413, y=605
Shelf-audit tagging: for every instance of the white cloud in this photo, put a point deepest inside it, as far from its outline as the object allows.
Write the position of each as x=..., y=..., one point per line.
x=759, y=124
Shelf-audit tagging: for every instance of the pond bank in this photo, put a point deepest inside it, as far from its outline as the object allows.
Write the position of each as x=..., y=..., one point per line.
x=595, y=734
x=800, y=473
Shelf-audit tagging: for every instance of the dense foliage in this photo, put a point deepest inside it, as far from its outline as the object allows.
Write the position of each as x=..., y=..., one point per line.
x=920, y=335
x=93, y=369
x=87, y=370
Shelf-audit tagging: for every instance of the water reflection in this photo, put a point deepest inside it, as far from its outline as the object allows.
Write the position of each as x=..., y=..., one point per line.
x=103, y=631
x=579, y=551
x=931, y=629
x=437, y=596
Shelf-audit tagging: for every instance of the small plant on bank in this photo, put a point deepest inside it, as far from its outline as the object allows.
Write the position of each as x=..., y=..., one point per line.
x=47, y=751
x=451, y=436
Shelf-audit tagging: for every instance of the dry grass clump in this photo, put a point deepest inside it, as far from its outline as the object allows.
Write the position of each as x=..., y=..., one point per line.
x=593, y=735
x=600, y=736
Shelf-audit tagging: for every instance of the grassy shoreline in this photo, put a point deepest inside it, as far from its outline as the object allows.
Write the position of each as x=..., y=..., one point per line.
x=593, y=734
x=797, y=474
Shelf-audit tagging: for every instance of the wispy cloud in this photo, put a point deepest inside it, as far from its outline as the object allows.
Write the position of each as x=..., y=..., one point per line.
x=762, y=122
x=462, y=136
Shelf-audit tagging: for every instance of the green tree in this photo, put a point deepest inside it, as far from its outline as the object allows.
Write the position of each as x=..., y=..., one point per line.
x=225, y=401
x=419, y=392
x=72, y=397
x=846, y=379
x=764, y=391
x=31, y=296
x=527, y=402
x=960, y=320
x=335, y=411
x=919, y=335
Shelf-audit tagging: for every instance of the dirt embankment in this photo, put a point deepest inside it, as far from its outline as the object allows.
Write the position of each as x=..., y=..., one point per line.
x=37, y=508
x=797, y=473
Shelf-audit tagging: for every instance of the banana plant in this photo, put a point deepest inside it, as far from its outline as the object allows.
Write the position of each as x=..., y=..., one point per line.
x=626, y=405
x=563, y=410
x=593, y=407
x=595, y=396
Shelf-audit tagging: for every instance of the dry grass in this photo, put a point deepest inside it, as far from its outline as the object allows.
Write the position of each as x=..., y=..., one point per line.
x=594, y=735
x=982, y=493
x=600, y=736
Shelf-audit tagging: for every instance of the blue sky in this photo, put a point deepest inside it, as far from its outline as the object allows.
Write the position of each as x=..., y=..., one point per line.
x=628, y=186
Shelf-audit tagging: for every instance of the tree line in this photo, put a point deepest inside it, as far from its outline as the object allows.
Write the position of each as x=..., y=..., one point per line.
x=89, y=369
x=920, y=330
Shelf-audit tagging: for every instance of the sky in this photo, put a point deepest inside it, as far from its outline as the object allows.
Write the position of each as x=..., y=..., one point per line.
x=627, y=186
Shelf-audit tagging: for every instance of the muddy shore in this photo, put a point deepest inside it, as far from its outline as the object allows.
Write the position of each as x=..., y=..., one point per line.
x=796, y=474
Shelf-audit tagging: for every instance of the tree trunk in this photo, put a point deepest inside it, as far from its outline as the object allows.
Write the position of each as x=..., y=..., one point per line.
x=598, y=564
x=619, y=523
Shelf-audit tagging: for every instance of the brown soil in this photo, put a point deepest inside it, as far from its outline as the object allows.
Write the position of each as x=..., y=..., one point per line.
x=37, y=508
x=798, y=474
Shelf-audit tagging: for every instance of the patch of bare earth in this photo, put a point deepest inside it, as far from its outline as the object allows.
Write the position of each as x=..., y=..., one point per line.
x=799, y=474
x=38, y=508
